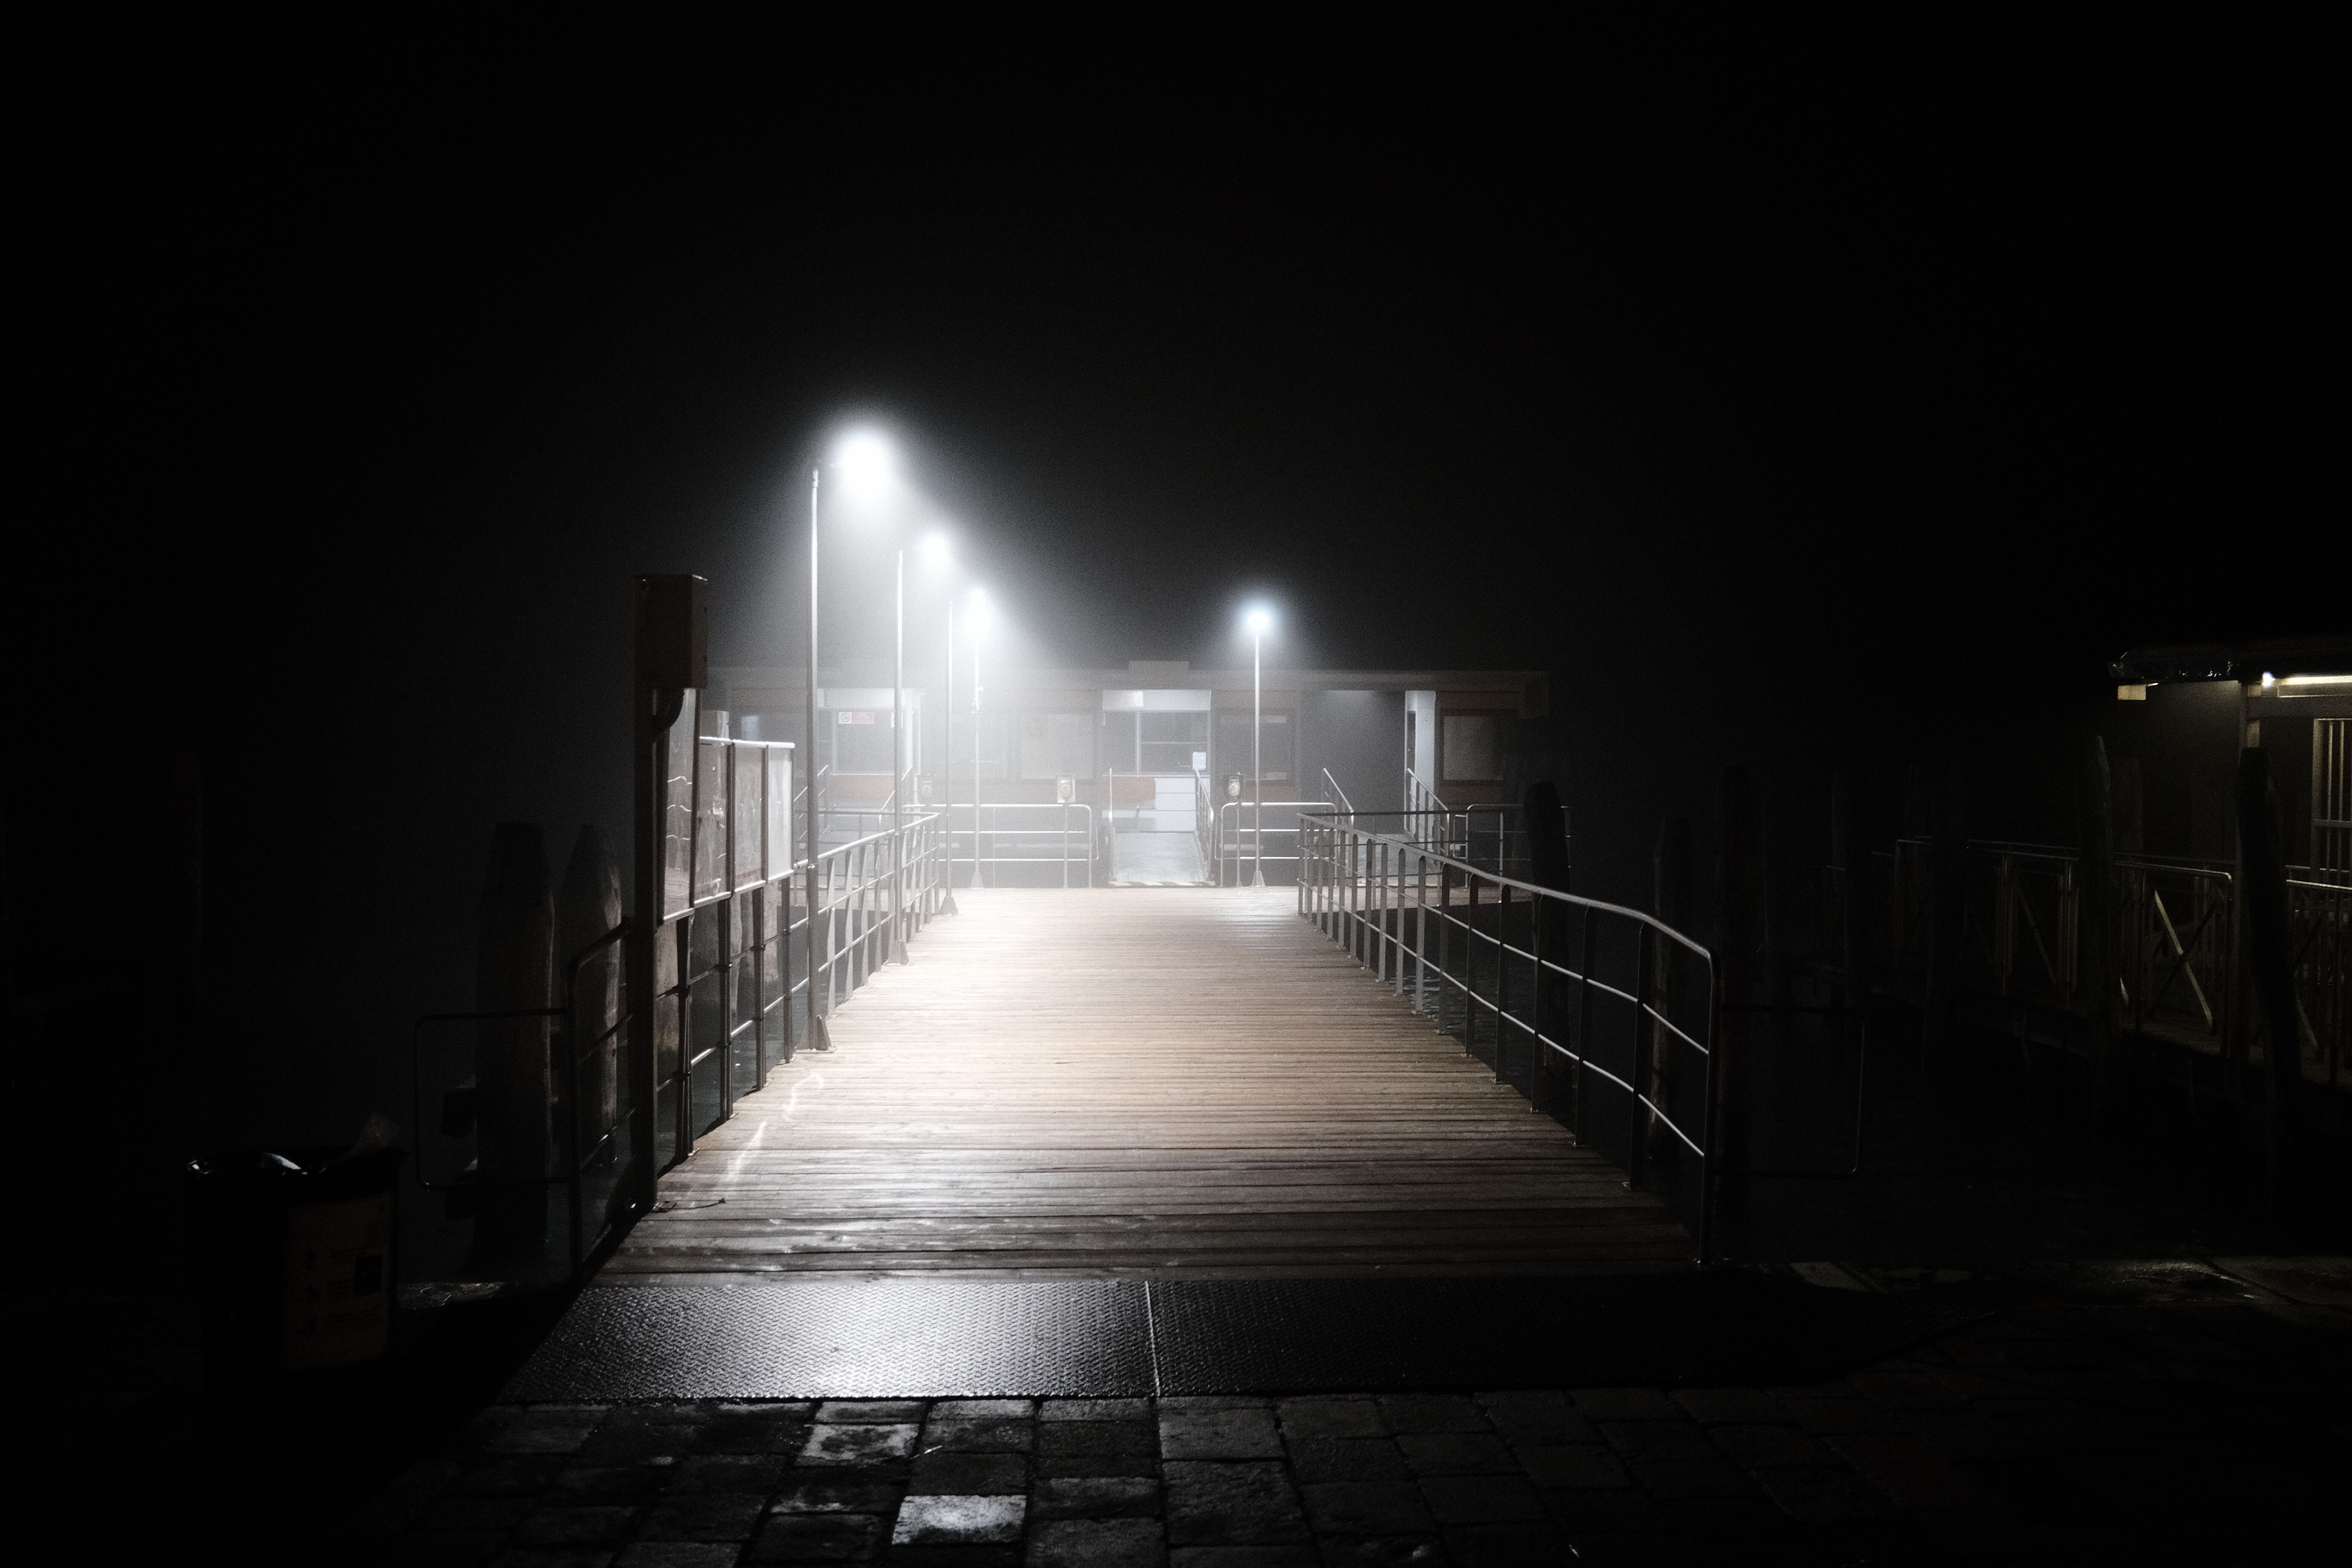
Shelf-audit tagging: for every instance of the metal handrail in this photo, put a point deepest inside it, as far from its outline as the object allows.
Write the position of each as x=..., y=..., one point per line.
x=1418, y=795
x=576, y=1149
x=1061, y=830
x=2176, y=938
x=1343, y=803
x=1456, y=831
x=1359, y=888
x=1230, y=849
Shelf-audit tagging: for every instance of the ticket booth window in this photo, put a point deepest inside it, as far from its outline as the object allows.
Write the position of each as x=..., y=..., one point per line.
x=1471, y=748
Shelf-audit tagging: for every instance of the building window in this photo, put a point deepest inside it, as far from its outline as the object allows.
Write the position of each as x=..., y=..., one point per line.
x=1232, y=746
x=1472, y=749
x=861, y=740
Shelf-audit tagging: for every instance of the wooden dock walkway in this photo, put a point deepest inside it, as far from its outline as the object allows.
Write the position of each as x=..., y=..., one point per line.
x=1108, y=1082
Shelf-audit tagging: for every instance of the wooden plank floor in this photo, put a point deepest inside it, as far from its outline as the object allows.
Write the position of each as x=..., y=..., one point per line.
x=1135, y=1081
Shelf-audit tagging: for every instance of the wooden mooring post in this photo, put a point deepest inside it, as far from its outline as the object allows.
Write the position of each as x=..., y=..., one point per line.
x=2097, y=965
x=514, y=972
x=1740, y=986
x=1849, y=853
x=2261, y=884
x=1547, y=857
x=1947, y=918
x=672, y=662
x=1670, y=902
x=588, y=907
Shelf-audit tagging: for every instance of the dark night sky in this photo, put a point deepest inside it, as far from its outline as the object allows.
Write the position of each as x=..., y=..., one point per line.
x=1793, y=398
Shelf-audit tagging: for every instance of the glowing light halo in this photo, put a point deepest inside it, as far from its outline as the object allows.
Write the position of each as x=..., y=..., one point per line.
x=867, y=460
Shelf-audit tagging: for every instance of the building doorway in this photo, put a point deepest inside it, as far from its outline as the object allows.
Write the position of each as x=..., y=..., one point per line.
x=1156, y=744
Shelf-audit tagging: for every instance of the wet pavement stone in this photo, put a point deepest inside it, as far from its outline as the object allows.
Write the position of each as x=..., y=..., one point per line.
x=858, y=1445
x=1348, y=1460
x=2147, y=1432
x=1096, y=1543
x=1097, y=1448
x=945, y=1474
x=1222, y=1431
x=1457, y=1454
x=1096, y=1497
x=1248, y=1503
x=1331, y=1418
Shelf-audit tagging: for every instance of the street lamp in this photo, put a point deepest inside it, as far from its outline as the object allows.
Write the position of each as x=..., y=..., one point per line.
x=898, y=763
x=863, y=460
x=868, y=465
x=1257, y=620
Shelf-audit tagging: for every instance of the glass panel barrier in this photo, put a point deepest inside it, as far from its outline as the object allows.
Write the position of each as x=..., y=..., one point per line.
x=747, y=869
x=709, y=818
x=778, y=797
x=677, y=809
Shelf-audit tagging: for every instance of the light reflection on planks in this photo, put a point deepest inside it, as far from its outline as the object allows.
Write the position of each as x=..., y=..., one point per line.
x=1118, y=1081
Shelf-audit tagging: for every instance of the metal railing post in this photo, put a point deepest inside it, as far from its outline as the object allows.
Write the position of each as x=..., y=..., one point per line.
x=1445, y=928
x=1583, y=1029
x=1420, y=931
x=1539, y=1063
x=1637, y=1149
x=1470, y=961
x=1502, y=981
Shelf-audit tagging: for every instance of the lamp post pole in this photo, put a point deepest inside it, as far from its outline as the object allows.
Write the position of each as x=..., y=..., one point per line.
x=947, y=763
x=898, y=764
x=1258, y=778
x=818, y=1039
x=975, y=624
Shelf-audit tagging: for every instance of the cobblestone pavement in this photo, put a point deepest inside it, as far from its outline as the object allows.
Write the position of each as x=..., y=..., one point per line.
x=2166, y=1425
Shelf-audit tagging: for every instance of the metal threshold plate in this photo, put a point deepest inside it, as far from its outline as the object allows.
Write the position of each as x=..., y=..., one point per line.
x=902, y=1337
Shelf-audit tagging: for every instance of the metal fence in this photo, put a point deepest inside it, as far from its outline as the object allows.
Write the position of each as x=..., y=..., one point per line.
x=1602, y=1015
x=2178, y=939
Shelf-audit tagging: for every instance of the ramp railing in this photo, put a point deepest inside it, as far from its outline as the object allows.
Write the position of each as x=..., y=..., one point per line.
x=1601, y=1015
x=1204, y=821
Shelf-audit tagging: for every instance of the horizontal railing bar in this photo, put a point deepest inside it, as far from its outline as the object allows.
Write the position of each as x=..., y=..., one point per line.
x=1668, y=1122
x=1534, y=890
x=1587, y=1063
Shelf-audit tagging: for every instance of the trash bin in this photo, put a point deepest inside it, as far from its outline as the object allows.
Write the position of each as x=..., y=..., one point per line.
x=293, y=1257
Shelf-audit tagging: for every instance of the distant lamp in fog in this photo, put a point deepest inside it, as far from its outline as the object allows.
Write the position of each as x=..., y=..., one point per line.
x=864, y=459
x=935, y=550
x=1258, y=622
